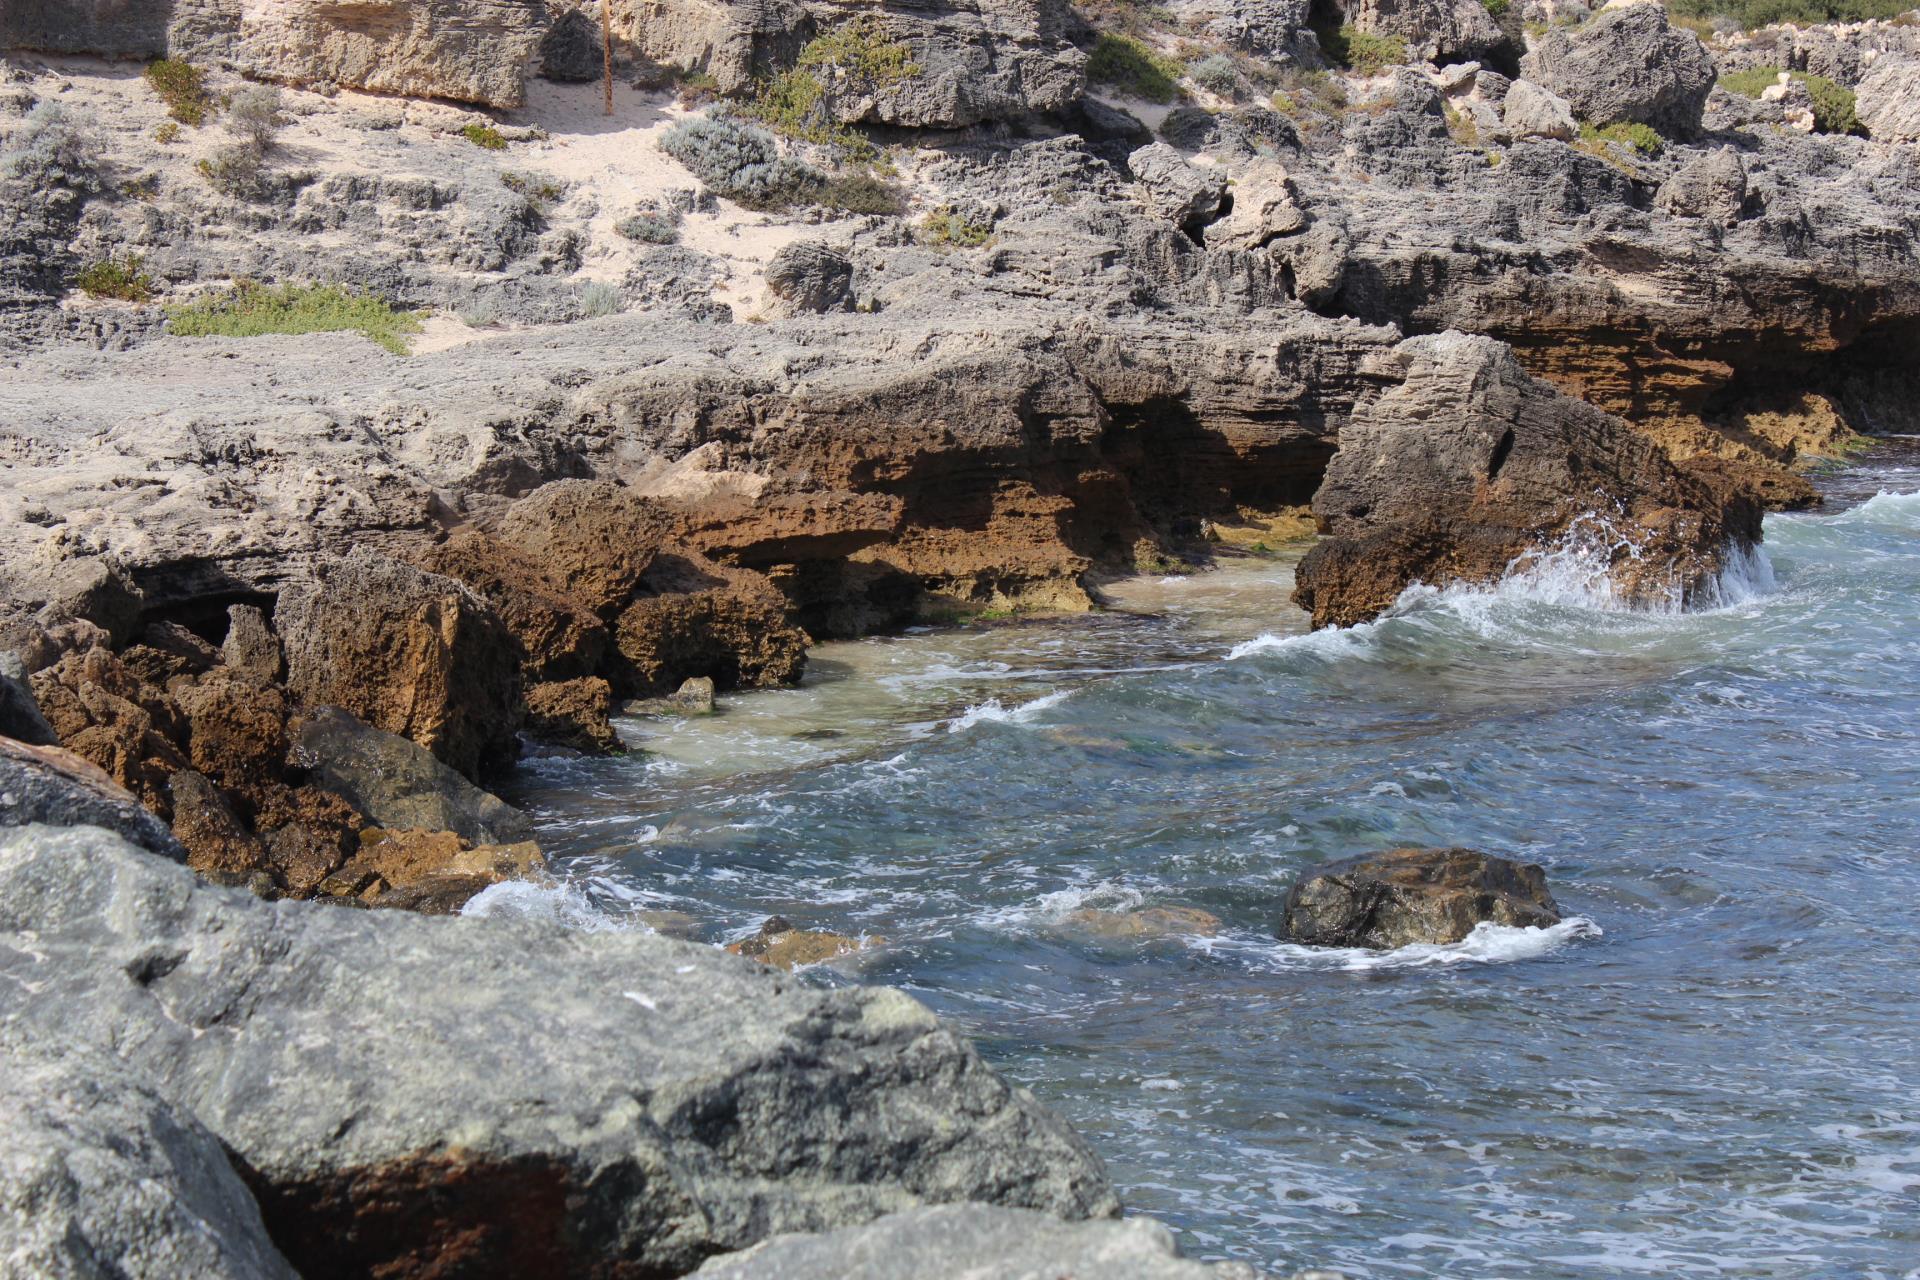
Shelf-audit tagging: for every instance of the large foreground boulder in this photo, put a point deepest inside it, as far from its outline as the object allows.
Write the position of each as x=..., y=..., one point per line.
x=101, y=1176
x=407, y=651
x=1407, y=896
x=1626, y=64
x=1471, y=469
x=974, y=1242
x=417, y=1096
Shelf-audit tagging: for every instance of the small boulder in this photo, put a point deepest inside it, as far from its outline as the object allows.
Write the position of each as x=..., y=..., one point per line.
x=20, y=717
x=250, y=645
x=1626, y=64
x=594, y=539
x=809, y=276
x=89, y=589
x=572, y=713
x=562, y=637
x=1887, y=102
x=432, y=872
x=1189, y=196
x=782, y=946
x=1407, y=896
x=54, y=786
x=1148, y=922
x=1530, y=111
x=1710, y=185
x=1264, y=209
x=409, y=652
x=102, y=1176
x=707, y=619
x=693, y=698
x=397, y=784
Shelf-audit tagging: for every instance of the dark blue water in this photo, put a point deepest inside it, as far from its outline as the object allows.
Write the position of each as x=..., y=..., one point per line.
x=1719, y=1076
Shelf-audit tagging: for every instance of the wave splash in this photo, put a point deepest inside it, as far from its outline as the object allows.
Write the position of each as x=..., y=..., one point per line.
x=1487, y=944
x=993, y=711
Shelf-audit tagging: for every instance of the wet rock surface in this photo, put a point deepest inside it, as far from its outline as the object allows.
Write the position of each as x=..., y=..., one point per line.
x=710, y=1102
x=1414, y=896
x=782, y=946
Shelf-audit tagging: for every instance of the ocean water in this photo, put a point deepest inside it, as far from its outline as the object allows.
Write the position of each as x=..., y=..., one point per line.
x=1711, y=1069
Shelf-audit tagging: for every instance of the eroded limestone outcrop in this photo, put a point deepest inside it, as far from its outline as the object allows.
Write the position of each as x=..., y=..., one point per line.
x=1471, y=469
x=1627, y=65
x=390, y=1081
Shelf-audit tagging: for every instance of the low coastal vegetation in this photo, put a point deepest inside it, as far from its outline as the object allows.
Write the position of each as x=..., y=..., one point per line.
x=485, y=136
x=948, y=229
x=1365, y=52
x=251, y=310
x=741, y=161
x=1130, y=66
x=1833, y=103
x=1605, y=140
x=118, y=278
x=650, y=226
x=1749, y=14
x=56, y=150
x=181, y=86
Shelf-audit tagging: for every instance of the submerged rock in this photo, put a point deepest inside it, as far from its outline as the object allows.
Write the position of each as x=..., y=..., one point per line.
x=419, y=1096
x=102, y=1176
x=1406, y=896
x=1470, y=468
x=782, y=946
x=1148, y=922
x=976, y=1241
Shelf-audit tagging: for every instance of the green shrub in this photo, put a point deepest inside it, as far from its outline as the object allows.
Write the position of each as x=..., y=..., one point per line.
x=235, y=170
x=251, y=310
x=1130, y=66
x=1760, y=13
x=1497, y=8
x=861, y=50
x=862, y=193
x=599, y=299
x=485, y=136
x=1637, y=137
x=741, y=162
x=651, y=226
x=56, y=149
x=254, y=116
x=1361, y=51
x=947, y=229
x=1833, y=103
x=119, y=278
x=1216, y=74
x=166, y=133
x=534, y=186
x=182, y=88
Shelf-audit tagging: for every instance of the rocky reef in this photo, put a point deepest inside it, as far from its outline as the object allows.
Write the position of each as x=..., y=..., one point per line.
x=383, y=398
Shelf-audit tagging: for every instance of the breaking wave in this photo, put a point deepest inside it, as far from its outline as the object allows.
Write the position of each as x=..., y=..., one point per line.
x=1487, y=944
x=993, y=711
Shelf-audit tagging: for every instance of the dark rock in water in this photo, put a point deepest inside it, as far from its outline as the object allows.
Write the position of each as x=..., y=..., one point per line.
x=51, y=785
x=407, y=651
x=399, y=785
x=693, y=698
x=20, y=717
x=1470, y=466
x=782, y=946
x=570, y=52
x=416, y=1096
x=1404, y=896
x=101, y=1176
x=974, y=1240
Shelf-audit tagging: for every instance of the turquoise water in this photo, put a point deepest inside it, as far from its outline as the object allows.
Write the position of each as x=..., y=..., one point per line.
x=1713, y=1071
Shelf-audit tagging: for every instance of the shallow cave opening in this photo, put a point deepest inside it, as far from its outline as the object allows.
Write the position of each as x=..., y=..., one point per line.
x=206, y=616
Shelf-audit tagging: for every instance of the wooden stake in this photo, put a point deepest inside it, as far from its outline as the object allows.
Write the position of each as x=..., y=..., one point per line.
x=606, y=49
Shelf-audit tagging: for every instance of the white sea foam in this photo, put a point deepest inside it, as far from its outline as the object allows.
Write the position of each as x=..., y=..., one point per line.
x=1052, y=908
x=1487, y=944
x=1897, y=510
x=999, y=713
x=550, y=903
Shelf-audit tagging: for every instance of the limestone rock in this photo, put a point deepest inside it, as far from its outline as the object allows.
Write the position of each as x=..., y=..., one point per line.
x=572, y=713
x=1888, y=100
x=468, y=50
x=1187, y=195
x=398, y=784
x=810, y=276
x=1435, y=30
x=1530, y=111
x=102, y=1176
x=1711, y=185
x=236, y=727
x=1147, y=922
x=782, y=946
x=250, y=646
x=47, y=784
x=976, y=1241
x=1264, y=209
x=20, y=716
x=709, y=1103
x=1408, y=896
x=560, y=636
x=106, y=714
x=571, y=51
x=707, y=620
x=594, y=539
x=1626, y=64
x=219, y=844
x=88, y=589
x=1469, y=467
x=693, y=698
x=115, y=29
x=409, y=652
x=1274, y=29
x=432, y=872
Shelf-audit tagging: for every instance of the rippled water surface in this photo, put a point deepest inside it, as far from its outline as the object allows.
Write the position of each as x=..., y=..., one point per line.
x=1719, y=1077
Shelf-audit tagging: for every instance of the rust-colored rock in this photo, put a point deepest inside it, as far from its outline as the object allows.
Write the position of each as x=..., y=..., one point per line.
x=594, y=539
x=572, y=713
x=707, y=620
x=562, y=637
x=1470, y=468
x=107, y=715
x=236, y=727
x=407, y=651
x=219, y=844
x=1148, y=922
x=430, y=871
x=782, y=946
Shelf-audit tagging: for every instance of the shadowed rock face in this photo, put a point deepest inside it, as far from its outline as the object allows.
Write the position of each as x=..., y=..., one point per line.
x=417, y=1096
x=101, y=1176
x=1471, y=468
x=1405, y=896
